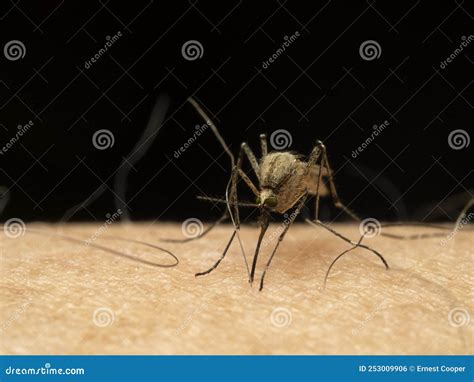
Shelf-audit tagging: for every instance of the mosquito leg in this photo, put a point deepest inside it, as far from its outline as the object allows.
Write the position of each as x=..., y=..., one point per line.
x=466, y=208
x=282, y=235
x=414, y=236
x=338, y=257
x=316, y=203
x=236, y=224
x=213, y=127
x=358, y=244
x=332, y=187
x=249, y=183
x=220, y=259
x=457, y=224
x=238, y=172
x=233, y=199
x=264, y=221
x=313, y=158
x=263, y=145
x=315, y=153
x=252, y=159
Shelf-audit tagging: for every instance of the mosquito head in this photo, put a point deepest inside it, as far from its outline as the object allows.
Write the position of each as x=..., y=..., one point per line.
x=267, y=199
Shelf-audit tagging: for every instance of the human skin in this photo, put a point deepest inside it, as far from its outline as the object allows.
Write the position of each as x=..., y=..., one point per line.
x=50, y=289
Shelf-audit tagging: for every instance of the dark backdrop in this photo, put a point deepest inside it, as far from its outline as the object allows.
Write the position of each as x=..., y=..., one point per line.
x=320, y=87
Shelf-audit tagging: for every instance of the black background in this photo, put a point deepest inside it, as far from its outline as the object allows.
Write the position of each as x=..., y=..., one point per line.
x=320, y=88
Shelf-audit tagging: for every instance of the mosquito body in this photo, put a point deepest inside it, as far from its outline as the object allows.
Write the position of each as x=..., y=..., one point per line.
x=283, y=177
x=285, y=182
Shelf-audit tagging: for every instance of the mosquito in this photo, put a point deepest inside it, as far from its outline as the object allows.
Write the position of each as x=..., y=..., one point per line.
x=285, y=182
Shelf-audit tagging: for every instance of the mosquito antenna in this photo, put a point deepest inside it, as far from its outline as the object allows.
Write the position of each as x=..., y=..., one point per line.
x=213, y=127
x=110, y=250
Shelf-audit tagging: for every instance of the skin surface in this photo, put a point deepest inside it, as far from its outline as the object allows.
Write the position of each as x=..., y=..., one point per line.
x=50, y=289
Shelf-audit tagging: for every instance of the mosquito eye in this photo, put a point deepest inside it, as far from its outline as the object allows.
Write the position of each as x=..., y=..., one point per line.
x=271, y=201
x=258, y=200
